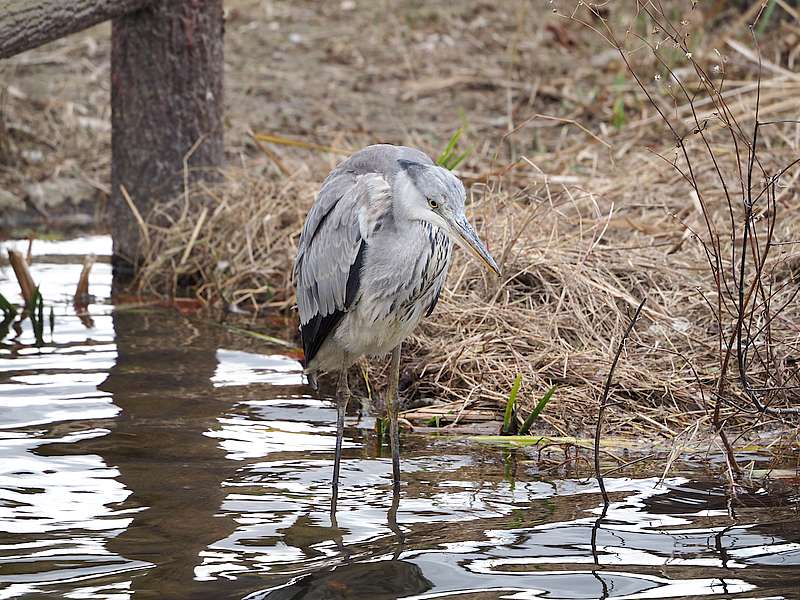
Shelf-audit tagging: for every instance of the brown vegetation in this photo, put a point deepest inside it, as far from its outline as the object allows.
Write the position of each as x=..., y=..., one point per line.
x=574, y=186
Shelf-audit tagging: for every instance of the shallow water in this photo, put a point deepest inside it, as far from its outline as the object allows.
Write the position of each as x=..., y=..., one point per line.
x=155, y=456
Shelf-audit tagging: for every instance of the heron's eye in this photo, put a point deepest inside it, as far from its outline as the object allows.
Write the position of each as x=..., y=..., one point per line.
x=433, y=203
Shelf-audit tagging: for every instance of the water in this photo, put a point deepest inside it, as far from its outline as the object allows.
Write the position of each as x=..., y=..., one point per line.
x=157, y=456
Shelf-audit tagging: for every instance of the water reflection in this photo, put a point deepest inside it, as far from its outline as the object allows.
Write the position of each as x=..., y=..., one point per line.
x=167, y=403
x=155, y=456
x=57, y=510
x=382, y=580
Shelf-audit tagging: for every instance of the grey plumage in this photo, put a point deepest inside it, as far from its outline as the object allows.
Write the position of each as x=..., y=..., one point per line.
x=373, y=256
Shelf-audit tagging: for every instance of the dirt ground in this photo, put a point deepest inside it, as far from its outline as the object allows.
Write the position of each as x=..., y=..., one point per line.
x=349, y=73
x=567, y=185
x=337, y=73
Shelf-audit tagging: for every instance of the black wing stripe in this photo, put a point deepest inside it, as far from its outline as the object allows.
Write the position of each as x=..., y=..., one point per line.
x=433, y=303
x=354, y=277
x=317, y=330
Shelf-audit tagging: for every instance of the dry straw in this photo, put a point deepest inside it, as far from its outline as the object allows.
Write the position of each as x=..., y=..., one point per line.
x=575, y=263
x=583, y=232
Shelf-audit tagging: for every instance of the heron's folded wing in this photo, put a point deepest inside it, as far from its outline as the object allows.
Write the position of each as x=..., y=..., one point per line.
x=327, y=270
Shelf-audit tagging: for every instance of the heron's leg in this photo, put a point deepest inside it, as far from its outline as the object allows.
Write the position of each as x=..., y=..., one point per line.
x=342, y=396
x=391, y=517
x=391, y=408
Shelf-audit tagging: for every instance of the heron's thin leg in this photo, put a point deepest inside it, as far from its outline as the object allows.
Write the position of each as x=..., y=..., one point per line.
x=391, y=408
x=342, y=396
x=391, y=518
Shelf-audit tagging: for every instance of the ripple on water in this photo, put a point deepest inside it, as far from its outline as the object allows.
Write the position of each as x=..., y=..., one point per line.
x=153, y=456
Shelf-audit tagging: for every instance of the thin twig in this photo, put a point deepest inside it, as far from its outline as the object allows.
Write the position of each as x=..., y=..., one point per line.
x=604, y=399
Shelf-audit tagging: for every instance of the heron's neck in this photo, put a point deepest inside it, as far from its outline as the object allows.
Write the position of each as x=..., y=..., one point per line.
x=406, y=203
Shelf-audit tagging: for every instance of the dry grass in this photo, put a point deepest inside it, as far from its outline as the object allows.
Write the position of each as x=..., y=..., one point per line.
x=585, y=227
x=567, y=187
x=576, y=259
x=232, y=244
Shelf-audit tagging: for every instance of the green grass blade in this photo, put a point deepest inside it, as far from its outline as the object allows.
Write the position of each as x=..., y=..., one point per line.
x=537, y=410
x=444, y=158
x=9, y=314
x=434, y=421
x=9, y=310
x=451, y=145
x=453, y=164
x=766, y=17
x=259, y=336
x=618, y=115
x=512, y=401
x=38, y=323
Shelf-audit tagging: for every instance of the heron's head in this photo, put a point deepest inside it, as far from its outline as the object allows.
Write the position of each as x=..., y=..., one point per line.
x=433, y=194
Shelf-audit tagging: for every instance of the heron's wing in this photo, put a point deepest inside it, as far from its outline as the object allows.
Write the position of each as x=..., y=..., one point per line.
x=327, y=270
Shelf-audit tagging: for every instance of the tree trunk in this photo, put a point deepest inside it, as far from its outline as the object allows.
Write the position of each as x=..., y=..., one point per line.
x=26, y=24
x=166, y=96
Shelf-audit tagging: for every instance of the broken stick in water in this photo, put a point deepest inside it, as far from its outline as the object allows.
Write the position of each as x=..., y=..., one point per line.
x=26, y=285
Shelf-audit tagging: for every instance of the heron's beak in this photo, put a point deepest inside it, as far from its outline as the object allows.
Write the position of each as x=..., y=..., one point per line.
x=464, y=235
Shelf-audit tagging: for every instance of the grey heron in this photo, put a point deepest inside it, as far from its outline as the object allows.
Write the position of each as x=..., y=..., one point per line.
x=372, y=259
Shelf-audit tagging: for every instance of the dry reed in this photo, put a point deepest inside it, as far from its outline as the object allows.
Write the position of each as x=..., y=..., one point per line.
x=583, y=230
x=575, y=197
x=576, y=262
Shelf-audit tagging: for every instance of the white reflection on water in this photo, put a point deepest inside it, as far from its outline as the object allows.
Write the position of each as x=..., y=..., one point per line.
x=57, y=283
x=465, y=534
x=61, y=511
x=53, y=493
x=281, y=507
x=58, y=512
x=659, y=587
x=244, y=368
x=99, y=245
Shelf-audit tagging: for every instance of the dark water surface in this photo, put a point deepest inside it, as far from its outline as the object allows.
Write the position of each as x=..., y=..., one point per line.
x=153, y=456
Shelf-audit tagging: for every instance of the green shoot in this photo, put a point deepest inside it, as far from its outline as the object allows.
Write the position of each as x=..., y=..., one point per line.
x=9, y=314
x=434, y=421
x=35, y=310
x=382, y=428
x=511, y=404
x=766, y=17
x=537, y=410
x=618, y=115
x=449, y=158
